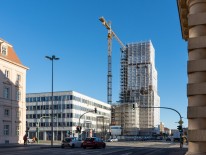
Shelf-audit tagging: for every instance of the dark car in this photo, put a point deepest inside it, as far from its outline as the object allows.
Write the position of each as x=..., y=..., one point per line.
x=168, y=139
x=93, y=142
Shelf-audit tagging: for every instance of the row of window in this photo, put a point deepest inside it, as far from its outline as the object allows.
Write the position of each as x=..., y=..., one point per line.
x=7, y=112
x=6, y=131
x=64, y=98
x=56, y=106
x=63, y=124
x=48, y=124
x=7, y=93
x=60, y=115
x=7, y=75
x=62, y=107
x=46, y=107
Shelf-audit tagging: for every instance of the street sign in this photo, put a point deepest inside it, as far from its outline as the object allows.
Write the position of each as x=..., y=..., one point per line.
x=180, y=122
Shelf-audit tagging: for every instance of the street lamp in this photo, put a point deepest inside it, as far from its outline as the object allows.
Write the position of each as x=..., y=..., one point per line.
x=52, y=123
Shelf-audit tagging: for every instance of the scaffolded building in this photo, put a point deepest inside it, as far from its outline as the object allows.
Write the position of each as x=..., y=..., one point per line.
x=139, y=87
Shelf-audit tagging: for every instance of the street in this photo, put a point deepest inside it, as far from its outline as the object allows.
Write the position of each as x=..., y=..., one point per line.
x=120, y=148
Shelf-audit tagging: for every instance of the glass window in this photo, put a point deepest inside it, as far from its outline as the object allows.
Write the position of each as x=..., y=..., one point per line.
x=63, y=106
x=56, y=98
x=34, y=115
x=18, y=77
x=42, y=98
x=27, y=99
x=30, y=99
x=18, y=113
x=63, y=98
x=6, y=130
x=34, y=107
x=17, y=130
x=6, y=112
x=55, y=107
x=6, y=73
x=47, y=98
x=4, y=50
x=18, y=95
x=34, y=99
x=6, y=93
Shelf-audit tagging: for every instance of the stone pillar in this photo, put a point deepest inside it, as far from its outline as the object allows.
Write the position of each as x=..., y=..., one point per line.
x=62, y=135
x=196, y=88
x=44, y=135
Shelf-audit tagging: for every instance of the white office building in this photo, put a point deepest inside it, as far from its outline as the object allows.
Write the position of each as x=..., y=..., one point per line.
x=69, y=106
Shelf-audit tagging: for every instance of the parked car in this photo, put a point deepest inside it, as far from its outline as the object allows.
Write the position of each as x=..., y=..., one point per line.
x=168, y=139
x=71, y=142
x=112, y=140
x=93, y=142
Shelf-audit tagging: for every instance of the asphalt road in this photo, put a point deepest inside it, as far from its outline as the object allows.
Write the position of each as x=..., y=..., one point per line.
x=114, y=148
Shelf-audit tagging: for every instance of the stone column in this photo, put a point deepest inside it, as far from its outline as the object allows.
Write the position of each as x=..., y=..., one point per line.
x=196, y=88
x=44, y=135
x=62, y=135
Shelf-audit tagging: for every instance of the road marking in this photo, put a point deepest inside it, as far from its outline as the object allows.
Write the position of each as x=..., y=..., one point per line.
x=127, y=153
x=117, y=151
x=154, y=151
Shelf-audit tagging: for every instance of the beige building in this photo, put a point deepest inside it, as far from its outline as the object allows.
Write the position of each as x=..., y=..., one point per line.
x=192, y=14
x=12, y=95
x=127, y=118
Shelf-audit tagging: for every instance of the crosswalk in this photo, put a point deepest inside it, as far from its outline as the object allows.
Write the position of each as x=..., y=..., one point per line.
x=66, y=151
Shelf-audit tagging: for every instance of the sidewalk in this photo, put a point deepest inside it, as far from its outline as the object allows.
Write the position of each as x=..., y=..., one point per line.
x=41, y=144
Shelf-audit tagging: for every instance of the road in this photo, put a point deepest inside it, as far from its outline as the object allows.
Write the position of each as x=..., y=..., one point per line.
x=120, y=148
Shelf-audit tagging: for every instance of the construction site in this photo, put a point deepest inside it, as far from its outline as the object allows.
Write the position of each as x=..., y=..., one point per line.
x=138, y=86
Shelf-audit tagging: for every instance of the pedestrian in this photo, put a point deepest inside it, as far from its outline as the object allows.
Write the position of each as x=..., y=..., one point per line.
x=36, y=139
x=25, y=139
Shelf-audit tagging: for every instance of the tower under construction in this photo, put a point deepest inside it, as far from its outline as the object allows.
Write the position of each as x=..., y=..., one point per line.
x=139, y=87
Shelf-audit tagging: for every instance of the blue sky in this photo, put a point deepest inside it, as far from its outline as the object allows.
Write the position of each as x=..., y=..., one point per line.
x=71, y=30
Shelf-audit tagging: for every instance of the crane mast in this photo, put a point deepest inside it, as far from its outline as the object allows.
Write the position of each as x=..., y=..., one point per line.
x=110, y=35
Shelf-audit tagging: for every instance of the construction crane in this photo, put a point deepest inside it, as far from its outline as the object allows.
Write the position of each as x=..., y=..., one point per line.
x=110, y=35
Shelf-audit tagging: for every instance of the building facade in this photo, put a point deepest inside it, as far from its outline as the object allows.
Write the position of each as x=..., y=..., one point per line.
x=12, y=95
x=71, y=109
x=139, y=86
x=193, y=25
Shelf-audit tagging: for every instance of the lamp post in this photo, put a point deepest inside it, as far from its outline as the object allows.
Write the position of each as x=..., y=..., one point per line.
x=52, y=125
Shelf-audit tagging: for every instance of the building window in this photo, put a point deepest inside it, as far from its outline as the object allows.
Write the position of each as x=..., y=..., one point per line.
x=6, y=73
x=6, y=112
x=6, y=93
x=18, y=77
x=6, y=130
x=17, y=130
x=18, y=95
x=18, y=113
x=4, y=50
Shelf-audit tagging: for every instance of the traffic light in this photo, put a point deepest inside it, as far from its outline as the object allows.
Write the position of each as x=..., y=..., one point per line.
x=179, y=127
x=133, y=106
x=95, y=110
x=79, y=128
x=68, y=132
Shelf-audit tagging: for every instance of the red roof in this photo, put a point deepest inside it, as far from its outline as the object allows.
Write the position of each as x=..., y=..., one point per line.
x=11, y=54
